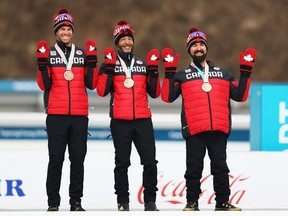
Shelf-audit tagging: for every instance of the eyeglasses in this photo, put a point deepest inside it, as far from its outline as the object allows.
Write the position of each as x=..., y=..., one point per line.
x=62, y=17
x=196, y=34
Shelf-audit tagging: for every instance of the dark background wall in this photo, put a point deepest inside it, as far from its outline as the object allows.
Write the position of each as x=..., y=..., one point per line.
x=231, y=26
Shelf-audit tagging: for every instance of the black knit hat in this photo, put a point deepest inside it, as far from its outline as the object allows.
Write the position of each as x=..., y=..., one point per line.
x=195, y=35
x=63, y=18
x=122, y=29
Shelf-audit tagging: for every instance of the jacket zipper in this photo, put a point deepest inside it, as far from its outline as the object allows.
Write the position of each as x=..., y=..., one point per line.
x=69, y=99
x=133, y=100
x=210, y=112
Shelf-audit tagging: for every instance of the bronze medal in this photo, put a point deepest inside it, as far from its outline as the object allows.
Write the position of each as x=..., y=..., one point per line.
x=129, y=83
x=68, y=75
x=206, y=87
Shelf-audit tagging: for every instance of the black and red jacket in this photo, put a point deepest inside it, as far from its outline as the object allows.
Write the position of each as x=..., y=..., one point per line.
x=205, y=111
x=62, y=97
x=129, y=103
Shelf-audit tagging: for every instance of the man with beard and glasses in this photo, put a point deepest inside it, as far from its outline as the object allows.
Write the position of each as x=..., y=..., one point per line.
x=206, y=91
x=129, y=80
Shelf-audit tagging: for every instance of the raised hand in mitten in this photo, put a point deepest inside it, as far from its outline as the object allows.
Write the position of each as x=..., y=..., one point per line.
x=110, y=60
x=170, y=61
x=42, y=53
x=91, y=53
x=247, y=60
x=152, y=61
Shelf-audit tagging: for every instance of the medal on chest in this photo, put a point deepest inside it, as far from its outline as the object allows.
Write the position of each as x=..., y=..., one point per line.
x=128, y=82
x=206, y=86
x=68, y=74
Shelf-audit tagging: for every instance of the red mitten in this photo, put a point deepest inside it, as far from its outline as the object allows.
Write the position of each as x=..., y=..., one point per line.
x=170, y=61
x=110, y=60
x=152, y=61
x=42, y=52
x=247, y=60
x=91, y=53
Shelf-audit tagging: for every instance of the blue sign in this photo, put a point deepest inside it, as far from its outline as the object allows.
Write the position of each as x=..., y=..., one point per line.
x=24, y=133
x=19, y=86
x=269, y=117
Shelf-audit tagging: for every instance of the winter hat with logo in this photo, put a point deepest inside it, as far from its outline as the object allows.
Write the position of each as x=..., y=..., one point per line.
x=122, y=29
x=194, y=36
x=63, y=18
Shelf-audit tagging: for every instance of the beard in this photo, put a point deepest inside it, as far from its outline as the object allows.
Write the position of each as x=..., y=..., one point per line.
x=199, y=59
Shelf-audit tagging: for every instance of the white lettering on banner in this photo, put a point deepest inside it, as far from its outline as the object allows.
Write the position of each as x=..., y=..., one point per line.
x=282, y=137
x=283, y=113
x=173, y=192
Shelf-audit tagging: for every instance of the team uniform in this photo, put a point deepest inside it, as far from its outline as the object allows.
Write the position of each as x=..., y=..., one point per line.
x=214, y=106
x=206, y=115
x=66, y=103
x=206, y=91
x=131, y=121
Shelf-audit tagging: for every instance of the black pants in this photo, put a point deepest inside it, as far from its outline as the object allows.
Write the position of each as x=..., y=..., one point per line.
x=142, y=134
x=62, y=131
x=196, y=145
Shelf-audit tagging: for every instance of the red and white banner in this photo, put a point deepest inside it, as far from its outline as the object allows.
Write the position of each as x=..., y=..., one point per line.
x=256, y=178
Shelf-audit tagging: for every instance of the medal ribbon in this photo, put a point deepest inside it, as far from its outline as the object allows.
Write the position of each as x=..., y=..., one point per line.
x=126, y=70
x=71, y=57
x=204, y=75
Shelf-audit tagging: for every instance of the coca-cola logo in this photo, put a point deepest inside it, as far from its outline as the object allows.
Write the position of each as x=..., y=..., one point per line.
x=174, y=192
